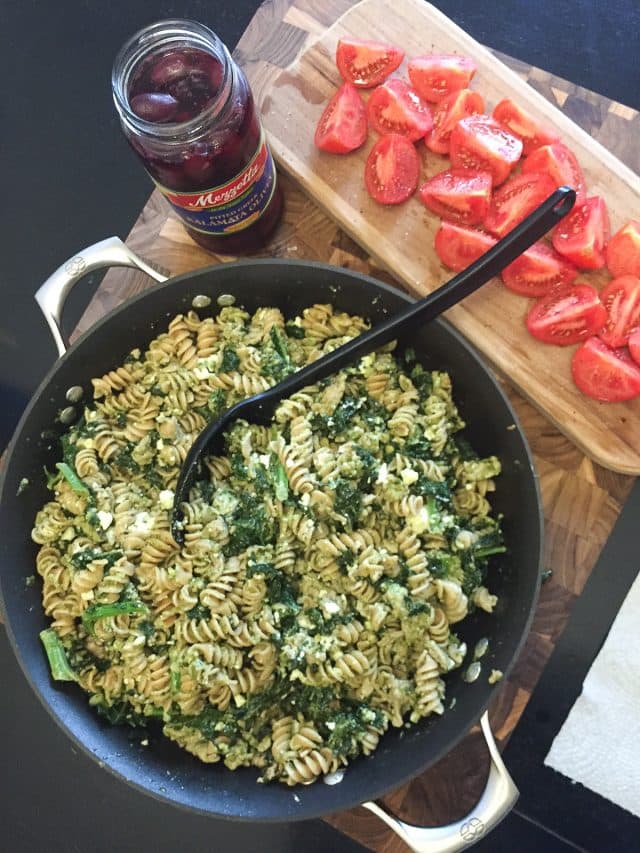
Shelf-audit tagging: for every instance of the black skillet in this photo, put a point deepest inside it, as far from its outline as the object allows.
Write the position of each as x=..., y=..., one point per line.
x=162, y=769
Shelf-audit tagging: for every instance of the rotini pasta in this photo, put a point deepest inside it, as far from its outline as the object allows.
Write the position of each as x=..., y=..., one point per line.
x=325, y=559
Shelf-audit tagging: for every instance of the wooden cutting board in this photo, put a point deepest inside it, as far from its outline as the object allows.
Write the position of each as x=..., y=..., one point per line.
x=400, y=239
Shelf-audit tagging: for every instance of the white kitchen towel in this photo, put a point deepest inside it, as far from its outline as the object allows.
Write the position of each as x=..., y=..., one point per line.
x=599, y=742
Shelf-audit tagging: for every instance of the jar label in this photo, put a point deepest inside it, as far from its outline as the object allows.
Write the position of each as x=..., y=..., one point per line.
x=233, y=206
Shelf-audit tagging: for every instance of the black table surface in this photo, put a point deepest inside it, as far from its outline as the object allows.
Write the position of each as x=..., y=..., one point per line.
x=69, y=181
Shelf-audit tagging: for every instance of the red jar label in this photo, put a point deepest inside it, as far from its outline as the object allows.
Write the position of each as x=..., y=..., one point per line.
x=230, y=207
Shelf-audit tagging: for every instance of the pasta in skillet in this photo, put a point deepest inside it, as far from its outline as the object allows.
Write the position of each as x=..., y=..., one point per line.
x=327, y=558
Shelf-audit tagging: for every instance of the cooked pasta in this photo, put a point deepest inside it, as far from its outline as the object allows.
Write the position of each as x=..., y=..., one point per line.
x=326, y=559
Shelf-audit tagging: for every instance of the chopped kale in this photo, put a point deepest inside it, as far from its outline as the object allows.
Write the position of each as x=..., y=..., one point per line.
x=156, y=391
x=441, y=492
x=348, y=728
x=294, y=331
x=121, y=419
x=280, y=590
x=261, y=479
x=81, y=658
x=68, y=443
x=152, y=476
x=276, y=361
x=339, y=421
x=217, y=402
x=199, y=612
x=417, y=446
x=238, y=466
x=230, y=360
x=120, y=713
x=81, y=559
x=278, y=477
x=414, y=608
x=423, y=380
x=348, y=500
x=123, y=459
x=250, y=525
x=369, y=469
x=346, y=559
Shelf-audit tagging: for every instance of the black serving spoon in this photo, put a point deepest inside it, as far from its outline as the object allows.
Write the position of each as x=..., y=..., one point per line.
x=260, y=408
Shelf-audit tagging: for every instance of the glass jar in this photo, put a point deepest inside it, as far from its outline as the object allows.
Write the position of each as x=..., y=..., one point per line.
x=187, y=111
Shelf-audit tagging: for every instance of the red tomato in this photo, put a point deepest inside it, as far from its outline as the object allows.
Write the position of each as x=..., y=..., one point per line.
x=539, y=271
x=560, y=162
x=479, y=142
x=343, y=124
x=457, y=247
x=436, y=75
x=448, y=113
x=567, y=318
x=623, y=251
x=621, y=298
x=634, y=345
x=366, y=63
x=523, y=125
x=582, y=235
x=460, y=195
x=605, y=374
x=392, y=169
x=395, y=108
x=515, y=200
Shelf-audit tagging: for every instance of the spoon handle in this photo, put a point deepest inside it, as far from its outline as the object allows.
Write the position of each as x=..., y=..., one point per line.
x=548, y=214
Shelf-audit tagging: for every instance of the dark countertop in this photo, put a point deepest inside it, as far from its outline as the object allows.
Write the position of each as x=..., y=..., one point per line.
x=70, y=180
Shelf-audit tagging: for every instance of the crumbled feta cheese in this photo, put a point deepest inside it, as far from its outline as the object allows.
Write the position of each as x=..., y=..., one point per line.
x=331, y=725
x=420, y=521
x=159, y=444
x=201, y=372
x=409, y=476
x=165, y=498
x=330, y=606
x=265, y=459
x=305, y=500
x=239, y=700
x=383, y=473
x=142, y=523
x=105, y=518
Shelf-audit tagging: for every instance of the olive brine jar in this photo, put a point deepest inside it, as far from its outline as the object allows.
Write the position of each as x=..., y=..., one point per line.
x=187, y=111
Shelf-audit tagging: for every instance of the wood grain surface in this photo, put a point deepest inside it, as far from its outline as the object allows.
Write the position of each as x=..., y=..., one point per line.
x=581, y=499
x=401, y=237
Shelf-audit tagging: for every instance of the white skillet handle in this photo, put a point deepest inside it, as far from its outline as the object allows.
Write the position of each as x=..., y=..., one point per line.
x=52, y=295
x=498, y=798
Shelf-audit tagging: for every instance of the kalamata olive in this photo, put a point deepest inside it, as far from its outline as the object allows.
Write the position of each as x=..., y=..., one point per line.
x=170, y=67
x=154, y=106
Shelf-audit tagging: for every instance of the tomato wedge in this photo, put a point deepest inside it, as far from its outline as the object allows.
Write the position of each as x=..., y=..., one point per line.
x=634, y=345
x=515, y=200
x=392, y=169
x=539, y=271
x=523, y=125
x=560, y=162
x=623, y=251
x=457, y=247
x=436, y=75
x=459, y=195
x=365, y=63
x=605, y=374
x=448, y=113
x=621, y=298
x=567, y=318
x=581, y=236
x=479, y=142
x=395, y=108
x=342, y=127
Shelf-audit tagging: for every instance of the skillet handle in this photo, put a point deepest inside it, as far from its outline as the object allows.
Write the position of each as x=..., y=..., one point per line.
x=498, y=798
x=52, y=295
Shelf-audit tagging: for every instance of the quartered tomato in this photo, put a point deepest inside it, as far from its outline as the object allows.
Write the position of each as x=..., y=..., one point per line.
x=392, y=169
x=523, y=125
x=448, y=113
x=621, y=298
x=539, y=271
x=457, y=247
x=634, y=345
x=459, y=195
x=515, y=200
x=567, y=318
x=366, y=63
x=436, y=75
x=623, y=251
x=343, y=124
x=581, y=236
x=479, y=142
x=395, y=108
x=605, y=374
x=560, y=162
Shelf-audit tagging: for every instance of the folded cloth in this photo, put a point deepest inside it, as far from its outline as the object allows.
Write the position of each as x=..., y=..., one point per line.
x=599, y=742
